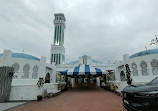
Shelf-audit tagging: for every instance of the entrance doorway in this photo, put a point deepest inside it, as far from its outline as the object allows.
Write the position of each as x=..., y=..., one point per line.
x=122, y=76
x=47, y=78
x=83, y=80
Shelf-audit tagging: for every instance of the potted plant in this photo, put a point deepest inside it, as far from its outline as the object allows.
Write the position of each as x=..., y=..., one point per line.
x=40, y=84
x=39, y=97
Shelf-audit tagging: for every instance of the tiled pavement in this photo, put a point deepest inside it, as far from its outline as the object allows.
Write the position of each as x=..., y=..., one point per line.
x=78, y=99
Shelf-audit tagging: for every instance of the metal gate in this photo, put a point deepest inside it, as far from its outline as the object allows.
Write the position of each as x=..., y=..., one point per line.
x=6, y=74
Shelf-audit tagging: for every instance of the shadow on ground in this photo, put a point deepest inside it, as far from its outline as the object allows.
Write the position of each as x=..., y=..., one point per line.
x=85, y=89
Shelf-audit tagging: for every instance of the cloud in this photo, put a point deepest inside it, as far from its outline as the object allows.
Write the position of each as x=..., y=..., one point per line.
x=99, y=28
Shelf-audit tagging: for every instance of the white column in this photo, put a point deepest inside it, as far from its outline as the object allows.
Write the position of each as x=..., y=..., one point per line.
x=58, y=59
x=73, y=82
x=98, y=81
x=55, y=58
x=56, y=34
x=61, y=35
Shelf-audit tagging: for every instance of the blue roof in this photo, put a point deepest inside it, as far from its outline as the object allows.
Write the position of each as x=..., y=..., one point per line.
x=145, y=52
x=74, y=62
x=94, y=61
x=25, y=56
x=83, y=70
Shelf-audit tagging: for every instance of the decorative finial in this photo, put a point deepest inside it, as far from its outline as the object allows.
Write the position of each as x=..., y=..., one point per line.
x=146, y=48
x=154, y=41
x=22, y=51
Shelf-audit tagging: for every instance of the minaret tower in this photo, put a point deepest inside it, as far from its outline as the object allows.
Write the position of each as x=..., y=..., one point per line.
x=57, y=49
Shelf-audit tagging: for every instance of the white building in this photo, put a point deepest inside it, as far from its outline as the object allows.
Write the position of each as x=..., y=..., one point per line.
x=143, y=66
x=57, y=49
x=88, y=61
x=27, y=71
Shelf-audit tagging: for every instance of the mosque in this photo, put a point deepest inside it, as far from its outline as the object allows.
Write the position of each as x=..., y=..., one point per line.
x=28, y=69
x=143, y=66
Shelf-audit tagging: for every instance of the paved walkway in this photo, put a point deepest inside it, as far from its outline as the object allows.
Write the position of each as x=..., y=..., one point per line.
x=78, y=99
x=8, y=105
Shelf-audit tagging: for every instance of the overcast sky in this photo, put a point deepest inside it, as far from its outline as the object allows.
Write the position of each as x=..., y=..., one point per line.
x=102, y=29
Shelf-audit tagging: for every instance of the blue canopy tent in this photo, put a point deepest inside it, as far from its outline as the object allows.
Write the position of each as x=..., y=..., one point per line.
x=83, y=70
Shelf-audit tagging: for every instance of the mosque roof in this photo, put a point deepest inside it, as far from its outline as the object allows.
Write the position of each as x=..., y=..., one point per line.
x=145, y=52
x=74, y=62
x=24, y=56
x=93, y=61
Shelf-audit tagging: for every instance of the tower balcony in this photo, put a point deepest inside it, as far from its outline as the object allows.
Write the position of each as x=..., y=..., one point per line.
x=59, y=22
x=56, y=47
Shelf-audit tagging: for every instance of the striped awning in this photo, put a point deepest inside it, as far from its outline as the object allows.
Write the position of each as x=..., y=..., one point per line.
x=83, y=70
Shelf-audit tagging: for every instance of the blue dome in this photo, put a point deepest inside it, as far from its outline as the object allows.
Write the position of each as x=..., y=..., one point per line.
x=74, y=62
x=93, y=61
x=145, y=52
x=96, y=61
x=21, y=55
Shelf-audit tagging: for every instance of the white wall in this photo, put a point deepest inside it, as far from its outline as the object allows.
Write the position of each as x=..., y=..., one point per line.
x=140, y=78
x=30, y=92
x=24, y=92
x=137, y=60
x=26, y=88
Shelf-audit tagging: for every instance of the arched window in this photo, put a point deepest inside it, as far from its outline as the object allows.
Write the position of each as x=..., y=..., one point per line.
x=47, y=78
x=16, y=68
x=35, y=72
x=154, y=65
x=122, y=76
x=134, y=67
x=26, y=69
x=144, y=66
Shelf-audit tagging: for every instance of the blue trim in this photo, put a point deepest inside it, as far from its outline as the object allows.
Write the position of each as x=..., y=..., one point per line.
x=64, y=72
x=93, y=61
x=76, y=70
x=24, y=56
x=74, y=62
x=87, y=69
x=98, y=71
x=96, y=61
x=145, y=52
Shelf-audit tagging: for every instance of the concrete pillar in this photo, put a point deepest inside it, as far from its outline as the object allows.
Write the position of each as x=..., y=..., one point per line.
x=98, y=81
x=43, y=59
x=6, y=56
x=126, y=58
x=73, y=82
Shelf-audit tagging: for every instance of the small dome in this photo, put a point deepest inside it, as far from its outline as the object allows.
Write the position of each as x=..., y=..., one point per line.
x=145, y=52
x=25, y=56
x=93, y=61
x=96, y=61
x=74, y=62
